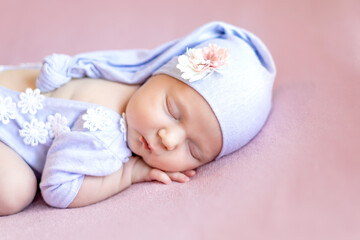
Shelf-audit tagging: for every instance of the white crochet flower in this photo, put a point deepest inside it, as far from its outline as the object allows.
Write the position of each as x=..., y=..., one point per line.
x=31, y=101
x=96, y=119
x=123, y=125
x=57, y=125
x=7, y=110
x=34, y=132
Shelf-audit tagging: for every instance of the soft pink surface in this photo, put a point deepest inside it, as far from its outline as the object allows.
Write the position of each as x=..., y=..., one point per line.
x=298, y=179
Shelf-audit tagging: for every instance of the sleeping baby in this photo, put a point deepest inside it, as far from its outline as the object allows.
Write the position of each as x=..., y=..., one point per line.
x=129, y=116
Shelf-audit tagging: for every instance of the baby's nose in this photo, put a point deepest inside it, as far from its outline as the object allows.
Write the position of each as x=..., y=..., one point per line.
x=171, y=137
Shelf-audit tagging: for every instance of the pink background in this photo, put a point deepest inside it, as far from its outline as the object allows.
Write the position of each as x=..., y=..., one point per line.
x=298, y=179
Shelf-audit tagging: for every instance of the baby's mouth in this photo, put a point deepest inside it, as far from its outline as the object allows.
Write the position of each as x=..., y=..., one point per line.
x=146, y=144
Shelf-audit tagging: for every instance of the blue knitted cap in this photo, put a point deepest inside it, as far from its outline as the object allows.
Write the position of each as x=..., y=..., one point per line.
x=240, y=93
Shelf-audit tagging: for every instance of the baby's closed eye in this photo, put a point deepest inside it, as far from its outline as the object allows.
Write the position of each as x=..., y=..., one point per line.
x=171, y=108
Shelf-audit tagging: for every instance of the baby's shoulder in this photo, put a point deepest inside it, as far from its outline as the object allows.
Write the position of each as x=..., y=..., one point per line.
x=113, y=95
x=19, y=80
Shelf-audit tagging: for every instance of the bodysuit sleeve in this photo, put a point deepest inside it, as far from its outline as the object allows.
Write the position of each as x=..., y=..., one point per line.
x=78, y=153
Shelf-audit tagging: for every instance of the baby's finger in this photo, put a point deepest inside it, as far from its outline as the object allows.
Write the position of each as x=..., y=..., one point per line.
x=178, y=177
x=158, y=175
x=189, y=173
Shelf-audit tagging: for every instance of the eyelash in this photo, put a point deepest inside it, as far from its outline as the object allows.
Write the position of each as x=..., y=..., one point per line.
x=169, y=109
x=191, y=152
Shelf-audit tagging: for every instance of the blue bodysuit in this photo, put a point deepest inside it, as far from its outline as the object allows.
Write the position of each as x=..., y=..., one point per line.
x=62, y=140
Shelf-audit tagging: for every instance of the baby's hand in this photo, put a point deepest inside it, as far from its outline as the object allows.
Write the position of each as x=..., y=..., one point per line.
x=144, y=173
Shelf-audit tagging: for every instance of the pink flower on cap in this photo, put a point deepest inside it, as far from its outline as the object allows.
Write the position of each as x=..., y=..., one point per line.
x=199, y=62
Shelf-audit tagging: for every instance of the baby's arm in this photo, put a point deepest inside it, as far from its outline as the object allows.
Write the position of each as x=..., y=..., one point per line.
x=82, y=168
x=95, y=189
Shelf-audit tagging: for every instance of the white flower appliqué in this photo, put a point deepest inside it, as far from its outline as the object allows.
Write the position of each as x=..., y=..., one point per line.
x=200, y=62
x=123, y=125
x=31, y=101
x=34, y=132
x=7, y=110
x=96, y=119
x=57, y=125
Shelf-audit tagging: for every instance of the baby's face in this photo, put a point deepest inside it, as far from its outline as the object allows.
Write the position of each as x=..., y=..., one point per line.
x=171, y=126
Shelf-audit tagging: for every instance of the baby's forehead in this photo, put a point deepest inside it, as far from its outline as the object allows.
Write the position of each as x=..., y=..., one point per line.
x=185, y=96
x=165, y=81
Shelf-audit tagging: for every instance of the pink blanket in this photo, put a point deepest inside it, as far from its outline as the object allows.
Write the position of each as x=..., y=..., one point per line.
x=298, y=179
